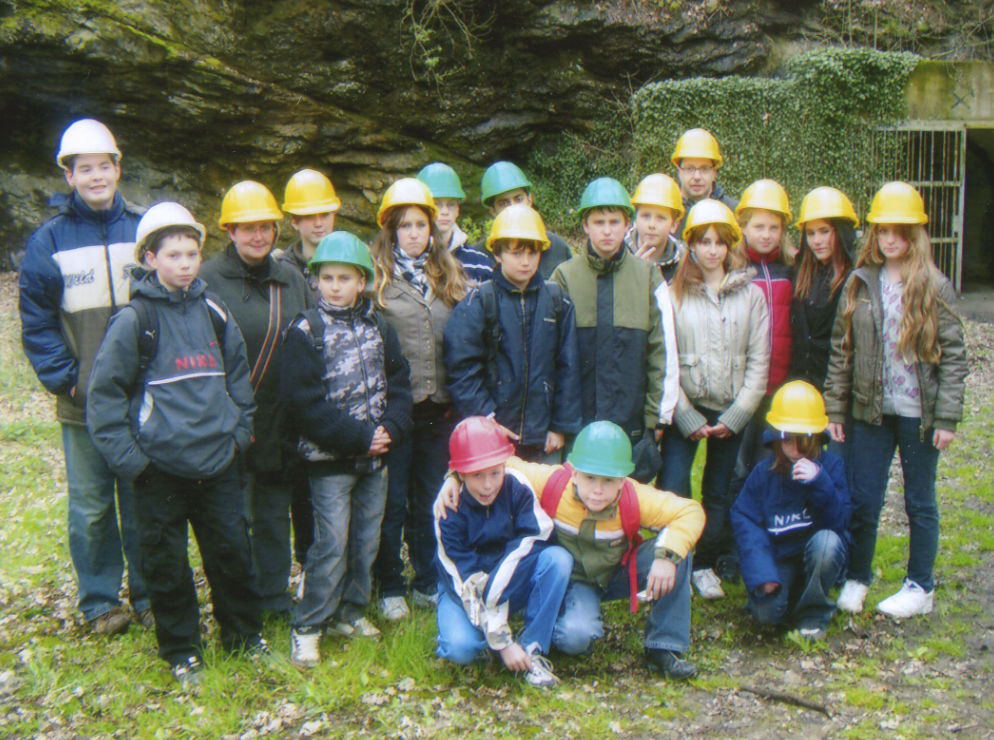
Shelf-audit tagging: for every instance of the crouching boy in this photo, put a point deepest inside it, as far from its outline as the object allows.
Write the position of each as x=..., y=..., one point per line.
x=170, y=406
x=345, y=382
x=493, y=559
x=598, y=513
x=791, y=519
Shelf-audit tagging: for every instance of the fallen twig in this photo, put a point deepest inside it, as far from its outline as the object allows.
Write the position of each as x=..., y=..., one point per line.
x=797, y=701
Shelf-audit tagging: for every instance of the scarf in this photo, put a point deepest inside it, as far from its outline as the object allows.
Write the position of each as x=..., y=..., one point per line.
x=412, y=269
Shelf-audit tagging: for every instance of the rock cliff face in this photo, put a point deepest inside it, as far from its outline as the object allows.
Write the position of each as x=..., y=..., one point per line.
x=203, y=93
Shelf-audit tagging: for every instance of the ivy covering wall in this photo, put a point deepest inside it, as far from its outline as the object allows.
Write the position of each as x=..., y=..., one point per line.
x=815, y=125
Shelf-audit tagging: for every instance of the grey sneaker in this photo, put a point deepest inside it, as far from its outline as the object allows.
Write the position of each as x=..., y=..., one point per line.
x=394, y=608
x=812, y=634
x=188, y=673
x=360, y=627
x=424, y=601
x=304, y=650
x=541, y=674
x=112, y=622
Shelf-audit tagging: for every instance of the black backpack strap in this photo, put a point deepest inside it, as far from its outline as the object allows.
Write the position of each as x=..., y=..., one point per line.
x=492, y=334
x=558, y=299
x=218, y=313
x=148, y=333
x=315, y=322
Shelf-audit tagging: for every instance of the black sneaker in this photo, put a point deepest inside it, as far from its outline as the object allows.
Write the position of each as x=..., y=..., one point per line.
x=146, y=619
x=188, y=673
x=670, y=664
x=257, y=650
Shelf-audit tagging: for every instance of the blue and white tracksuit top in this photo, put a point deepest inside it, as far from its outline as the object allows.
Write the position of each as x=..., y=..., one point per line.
x=479, y=548
x=774, y=516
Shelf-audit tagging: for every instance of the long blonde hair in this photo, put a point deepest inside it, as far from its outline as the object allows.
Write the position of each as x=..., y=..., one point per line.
x=918, y=339
x=688, y=272
x=785, y=245
x=444, y=273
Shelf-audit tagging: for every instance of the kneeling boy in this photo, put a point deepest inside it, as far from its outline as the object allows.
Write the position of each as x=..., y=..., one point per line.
x=598, y=513
x=493, y=559
x=170, y=406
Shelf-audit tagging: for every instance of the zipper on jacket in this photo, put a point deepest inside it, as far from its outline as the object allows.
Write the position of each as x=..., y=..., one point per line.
x=527, y=378
x=362, y=366
x=110, y=272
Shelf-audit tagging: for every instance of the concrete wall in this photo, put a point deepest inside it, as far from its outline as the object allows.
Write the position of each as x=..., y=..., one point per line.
x=952, y=91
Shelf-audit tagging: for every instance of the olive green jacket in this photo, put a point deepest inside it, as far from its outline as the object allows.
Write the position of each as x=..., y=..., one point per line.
x=855, y=369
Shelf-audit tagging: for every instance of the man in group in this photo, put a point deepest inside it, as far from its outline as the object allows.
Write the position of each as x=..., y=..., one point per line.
x=697, y=159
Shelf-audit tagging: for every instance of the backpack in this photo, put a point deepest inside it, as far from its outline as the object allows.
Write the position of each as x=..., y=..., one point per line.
x=491, y=320
x=148, y=327
x=628, y=508
x=315, y=322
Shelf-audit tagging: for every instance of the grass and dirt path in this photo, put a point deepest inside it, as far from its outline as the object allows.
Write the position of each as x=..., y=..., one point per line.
x=927, y=677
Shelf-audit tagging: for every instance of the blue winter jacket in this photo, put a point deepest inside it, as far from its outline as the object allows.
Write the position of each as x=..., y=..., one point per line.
x=524, y=368
x=774, y=516
x=192, y=410
x=73, y=278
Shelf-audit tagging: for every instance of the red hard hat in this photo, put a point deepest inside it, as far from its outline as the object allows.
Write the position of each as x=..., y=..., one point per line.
x=478, y=443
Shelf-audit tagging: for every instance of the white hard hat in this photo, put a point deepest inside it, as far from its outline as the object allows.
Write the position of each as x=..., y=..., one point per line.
x=86, y=136
x=160, y=216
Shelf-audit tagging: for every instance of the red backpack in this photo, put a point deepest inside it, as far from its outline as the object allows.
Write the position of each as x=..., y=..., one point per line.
x=628, y=508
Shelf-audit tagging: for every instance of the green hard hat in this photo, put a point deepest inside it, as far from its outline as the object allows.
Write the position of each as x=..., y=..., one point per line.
x=500, y=177
x=602, y=448
x=442, y=181
x=605, y=192
x=343, y=248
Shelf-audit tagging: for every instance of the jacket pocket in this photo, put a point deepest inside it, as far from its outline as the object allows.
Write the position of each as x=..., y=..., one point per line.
x=738, y=374
x=691, y=375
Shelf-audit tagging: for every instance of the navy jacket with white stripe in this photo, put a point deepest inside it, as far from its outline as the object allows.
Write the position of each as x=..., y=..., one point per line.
x=774, y=516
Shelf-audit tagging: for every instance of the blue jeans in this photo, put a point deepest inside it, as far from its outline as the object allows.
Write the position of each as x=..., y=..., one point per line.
x=416, y=465
x=804, y=584
x=348, y=509
x=96, y=533
x=678, y=454
x=537, y=589
x=666, y=628
x=871, y=453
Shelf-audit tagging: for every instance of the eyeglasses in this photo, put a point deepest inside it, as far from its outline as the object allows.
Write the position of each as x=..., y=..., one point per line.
x=705, y=170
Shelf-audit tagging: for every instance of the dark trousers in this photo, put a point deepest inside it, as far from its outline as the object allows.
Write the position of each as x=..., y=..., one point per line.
x=416, y=466
x=301, y=511
x=215, y=508
x=678, y=454
x=268, y=507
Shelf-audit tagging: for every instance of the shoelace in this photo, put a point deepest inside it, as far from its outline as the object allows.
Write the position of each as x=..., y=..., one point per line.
x=544, y=665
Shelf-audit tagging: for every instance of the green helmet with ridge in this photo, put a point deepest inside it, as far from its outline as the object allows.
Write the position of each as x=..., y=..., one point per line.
x=605, y=192
x=501, y=177
x=602, y=448
x=442, y=181
x=343, y=248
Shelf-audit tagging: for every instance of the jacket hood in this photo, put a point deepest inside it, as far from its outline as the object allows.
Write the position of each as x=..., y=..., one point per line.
x=602, y=265
x=457, y=238
x=363, y=309
x=510, y=287
x=145, y=282
x=755, y=256
x=734, y=281
x=73, y=205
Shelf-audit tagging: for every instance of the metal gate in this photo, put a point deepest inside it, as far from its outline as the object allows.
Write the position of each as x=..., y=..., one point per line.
x=932, y=157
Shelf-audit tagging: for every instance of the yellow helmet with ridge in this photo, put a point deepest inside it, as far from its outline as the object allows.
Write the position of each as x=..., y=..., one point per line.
x=826, y=203
x=661, y=191
x=709, y=212
x=696, y=143
x=309, y=192
x=897, y=203
x=247, y=202
x=797, y=408
x=767, y=195
x=407, y=191
x=518, y=221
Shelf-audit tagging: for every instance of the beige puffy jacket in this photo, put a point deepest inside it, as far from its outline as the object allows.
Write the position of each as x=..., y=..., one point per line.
x=723, y=341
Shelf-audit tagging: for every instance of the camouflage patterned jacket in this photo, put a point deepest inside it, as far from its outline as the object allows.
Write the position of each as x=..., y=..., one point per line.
x=340, y=387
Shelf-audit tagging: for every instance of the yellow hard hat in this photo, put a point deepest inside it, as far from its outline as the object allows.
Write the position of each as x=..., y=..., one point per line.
x=768, y=195
x=246, y=202
x=659, y=190
x=518, y=222
x=708, y=212
x=407, y=191
x=826, y=203
x=696, y=143
x=308, y=192
x=797, y=408
x=897, y=203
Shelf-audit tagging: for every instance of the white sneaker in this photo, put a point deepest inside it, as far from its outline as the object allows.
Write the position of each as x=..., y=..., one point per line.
x=852, y=596
x=707, y=583
x=422, y=600
x=910, y=601
x=304, y=649
x=541, y=674
x=394, y=608
x=364, y=628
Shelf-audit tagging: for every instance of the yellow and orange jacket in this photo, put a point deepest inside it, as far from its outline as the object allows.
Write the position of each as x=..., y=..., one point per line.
x=596, y=540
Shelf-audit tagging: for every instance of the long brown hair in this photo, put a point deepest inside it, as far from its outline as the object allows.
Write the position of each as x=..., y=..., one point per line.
x=445, y=274
x=785, y=245
x=688, y=272
x=809, y=445
x=841, y=263
x=919, y=333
